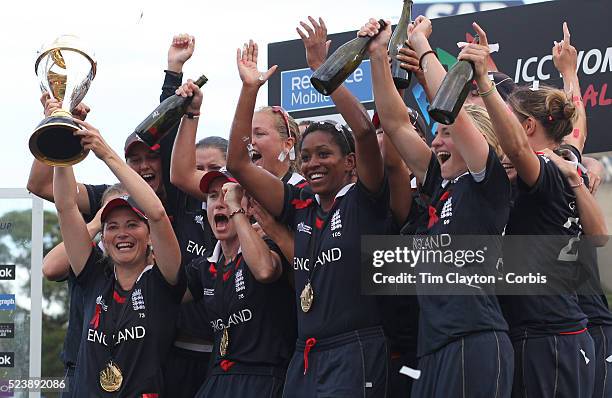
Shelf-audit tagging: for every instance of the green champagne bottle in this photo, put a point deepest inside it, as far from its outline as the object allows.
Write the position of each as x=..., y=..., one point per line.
x=401, y=77
x=164, y=117
x=338, y=66
x=452, y=92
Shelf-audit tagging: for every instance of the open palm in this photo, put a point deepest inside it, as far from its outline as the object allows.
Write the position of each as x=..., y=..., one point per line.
x=247, y=66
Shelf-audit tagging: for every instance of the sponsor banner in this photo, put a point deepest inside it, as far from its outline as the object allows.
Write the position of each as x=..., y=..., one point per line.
x=297, y=94
x=445, y=9
x=7, y=272
x=7, y=359
x=523, y=55
x=7, y=302
x=7, y=330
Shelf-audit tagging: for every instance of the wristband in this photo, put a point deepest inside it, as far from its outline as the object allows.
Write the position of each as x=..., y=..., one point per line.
x=488, y=92
x=423, y=56
x=192, y=115
x=240, y=210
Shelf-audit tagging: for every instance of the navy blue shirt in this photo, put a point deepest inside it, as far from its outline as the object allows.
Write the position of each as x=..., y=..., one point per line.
x=338, y=305
x=463, y=207
x=259, y=317
x=135, y=331
x=547, y=208
x=72, y=341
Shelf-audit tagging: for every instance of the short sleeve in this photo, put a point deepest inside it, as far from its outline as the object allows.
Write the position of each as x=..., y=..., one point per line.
x=294, y=199
x=175, y=291
x=94, y=194
x=93, y=269
x=193, y=273
x=495, y=185
x=377, y=201
x=549, y=182
x=433, y=177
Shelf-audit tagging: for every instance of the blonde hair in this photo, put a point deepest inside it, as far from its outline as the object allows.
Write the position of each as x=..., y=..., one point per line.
x=480, y=117
x=281, y=127
x=548, y=105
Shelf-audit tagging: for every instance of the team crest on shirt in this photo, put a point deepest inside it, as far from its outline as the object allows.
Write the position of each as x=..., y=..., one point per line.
x=307, y=229
x=138, y=300
x=336, y=224
x=447, y=211
x=239, y=282
x=199, y=219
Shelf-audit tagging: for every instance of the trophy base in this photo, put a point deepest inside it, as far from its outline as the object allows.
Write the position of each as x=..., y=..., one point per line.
x=54, y=143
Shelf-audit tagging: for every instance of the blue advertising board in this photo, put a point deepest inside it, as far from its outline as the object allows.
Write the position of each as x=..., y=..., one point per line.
x=297, y=94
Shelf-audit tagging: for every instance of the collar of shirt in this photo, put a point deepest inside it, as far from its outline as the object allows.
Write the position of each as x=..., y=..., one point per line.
x=217, y=253
x=148, y=267
x=340, y=193
x=454, y=180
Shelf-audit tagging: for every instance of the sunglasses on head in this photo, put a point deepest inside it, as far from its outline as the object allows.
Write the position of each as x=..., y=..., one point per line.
x=474, y=91
x=278, y=109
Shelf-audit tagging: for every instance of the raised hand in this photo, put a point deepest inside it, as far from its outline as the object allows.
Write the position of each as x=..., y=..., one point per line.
x=81, y=111
x=315, y=42
x=565, y=56
x=180, y=51
x=381, y=41
x=50, y=104
x=92, y=140
x=232, y=195
x=419, y=30
x=410, y=62
x=247, y=66
x=190, y=89
x=478, y=54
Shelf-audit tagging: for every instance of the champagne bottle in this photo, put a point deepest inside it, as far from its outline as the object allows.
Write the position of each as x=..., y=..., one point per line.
x=338, y=66
x=452, y=92
x=164, y=117
x=401, y=77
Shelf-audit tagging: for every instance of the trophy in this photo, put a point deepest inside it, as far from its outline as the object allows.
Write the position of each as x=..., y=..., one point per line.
x=65, y=70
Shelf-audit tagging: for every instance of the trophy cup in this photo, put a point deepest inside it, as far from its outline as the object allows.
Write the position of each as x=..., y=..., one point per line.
x=65, y=70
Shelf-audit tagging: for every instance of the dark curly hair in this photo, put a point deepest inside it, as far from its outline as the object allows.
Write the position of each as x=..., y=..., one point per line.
x=341, y=135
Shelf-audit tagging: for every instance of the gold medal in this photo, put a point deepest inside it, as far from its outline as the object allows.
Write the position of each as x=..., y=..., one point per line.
x=307, y=297
x=224, y=343
x=111, y=377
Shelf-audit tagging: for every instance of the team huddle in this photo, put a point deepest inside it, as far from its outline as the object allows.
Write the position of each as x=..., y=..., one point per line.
x=231, y=268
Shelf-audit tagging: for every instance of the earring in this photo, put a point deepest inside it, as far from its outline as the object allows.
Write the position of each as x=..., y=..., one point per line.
x=292, y=153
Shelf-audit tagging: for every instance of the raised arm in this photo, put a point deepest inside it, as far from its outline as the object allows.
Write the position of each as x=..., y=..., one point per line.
x=74, y=231
x=56, y=263
x=163, y=239
x=508, y=129
x=183, y=171
x=279, y=233
x=263, y=186
x=391, y=109
x=565, y=58
x=370, y=167
x=399, y=182
x=264, y=264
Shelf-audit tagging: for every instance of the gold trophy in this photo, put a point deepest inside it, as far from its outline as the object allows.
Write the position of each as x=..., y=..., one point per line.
x=65, y=70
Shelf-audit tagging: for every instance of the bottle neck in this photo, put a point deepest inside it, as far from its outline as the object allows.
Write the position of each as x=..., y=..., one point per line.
x=201, y=81
x=406, y=16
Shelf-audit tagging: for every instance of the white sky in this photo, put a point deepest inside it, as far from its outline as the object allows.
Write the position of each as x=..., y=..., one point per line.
x=131, y=53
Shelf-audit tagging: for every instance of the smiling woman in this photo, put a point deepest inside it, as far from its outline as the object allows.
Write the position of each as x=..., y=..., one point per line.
x=125, y=293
